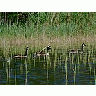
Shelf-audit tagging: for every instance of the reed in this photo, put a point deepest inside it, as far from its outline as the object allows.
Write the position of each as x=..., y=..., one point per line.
x=26, y=72
x=66, y=69
x=75, y=74
x=67, y=33
x=12, y=44
x=15, y=77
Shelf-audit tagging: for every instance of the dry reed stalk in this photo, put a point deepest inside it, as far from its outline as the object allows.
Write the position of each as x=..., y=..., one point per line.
x=40, y=43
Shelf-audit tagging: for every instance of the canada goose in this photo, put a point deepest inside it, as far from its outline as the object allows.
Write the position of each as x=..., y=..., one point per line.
x=42, y=53
x=78, y=51
x=24, y=56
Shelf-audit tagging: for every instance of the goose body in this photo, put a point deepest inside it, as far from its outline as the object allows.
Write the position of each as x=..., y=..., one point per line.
x=42, y=53
x=22, y=56
x=78, y=51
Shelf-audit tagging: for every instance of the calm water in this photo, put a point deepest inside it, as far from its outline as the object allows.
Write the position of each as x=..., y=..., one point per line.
x=58, y=69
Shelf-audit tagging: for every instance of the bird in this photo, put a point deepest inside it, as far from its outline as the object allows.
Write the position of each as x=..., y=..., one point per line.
x=42, y=53
x=79, y=50
x=22, y=56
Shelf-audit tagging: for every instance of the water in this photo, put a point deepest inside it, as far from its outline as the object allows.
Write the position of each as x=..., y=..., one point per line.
x=60, y=68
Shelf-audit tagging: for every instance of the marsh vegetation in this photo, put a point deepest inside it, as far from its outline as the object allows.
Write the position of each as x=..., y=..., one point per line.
x=62, y=31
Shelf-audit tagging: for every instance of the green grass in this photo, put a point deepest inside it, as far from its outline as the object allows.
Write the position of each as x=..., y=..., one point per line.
x=67, y=30
x=64, y=36
x=70, y=28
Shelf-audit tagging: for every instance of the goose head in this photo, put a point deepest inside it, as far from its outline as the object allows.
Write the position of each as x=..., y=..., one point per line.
x=48, y=48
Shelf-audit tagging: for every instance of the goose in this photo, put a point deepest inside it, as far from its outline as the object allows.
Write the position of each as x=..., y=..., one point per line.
x=42, y=53
x=79, y=50
x=23, y=56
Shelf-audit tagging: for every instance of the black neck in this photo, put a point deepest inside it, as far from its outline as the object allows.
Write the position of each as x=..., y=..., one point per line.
x=82, y=47
x=48, y=49
x=26, y=52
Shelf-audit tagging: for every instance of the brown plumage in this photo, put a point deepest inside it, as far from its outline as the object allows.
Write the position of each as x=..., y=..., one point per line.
x=79, y=50
x=42, y=53
x=24, y=56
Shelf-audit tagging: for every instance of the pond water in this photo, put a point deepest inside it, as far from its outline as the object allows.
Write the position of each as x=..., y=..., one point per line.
x=59, y=68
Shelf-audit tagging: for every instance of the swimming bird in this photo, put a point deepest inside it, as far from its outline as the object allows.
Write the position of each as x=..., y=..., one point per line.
x=22, y=56
x=79, y=50
x=42, y=52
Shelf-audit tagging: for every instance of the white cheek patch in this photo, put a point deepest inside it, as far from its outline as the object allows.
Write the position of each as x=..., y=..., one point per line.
x=84, y=45
x=47, y=54
x=48, y=46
